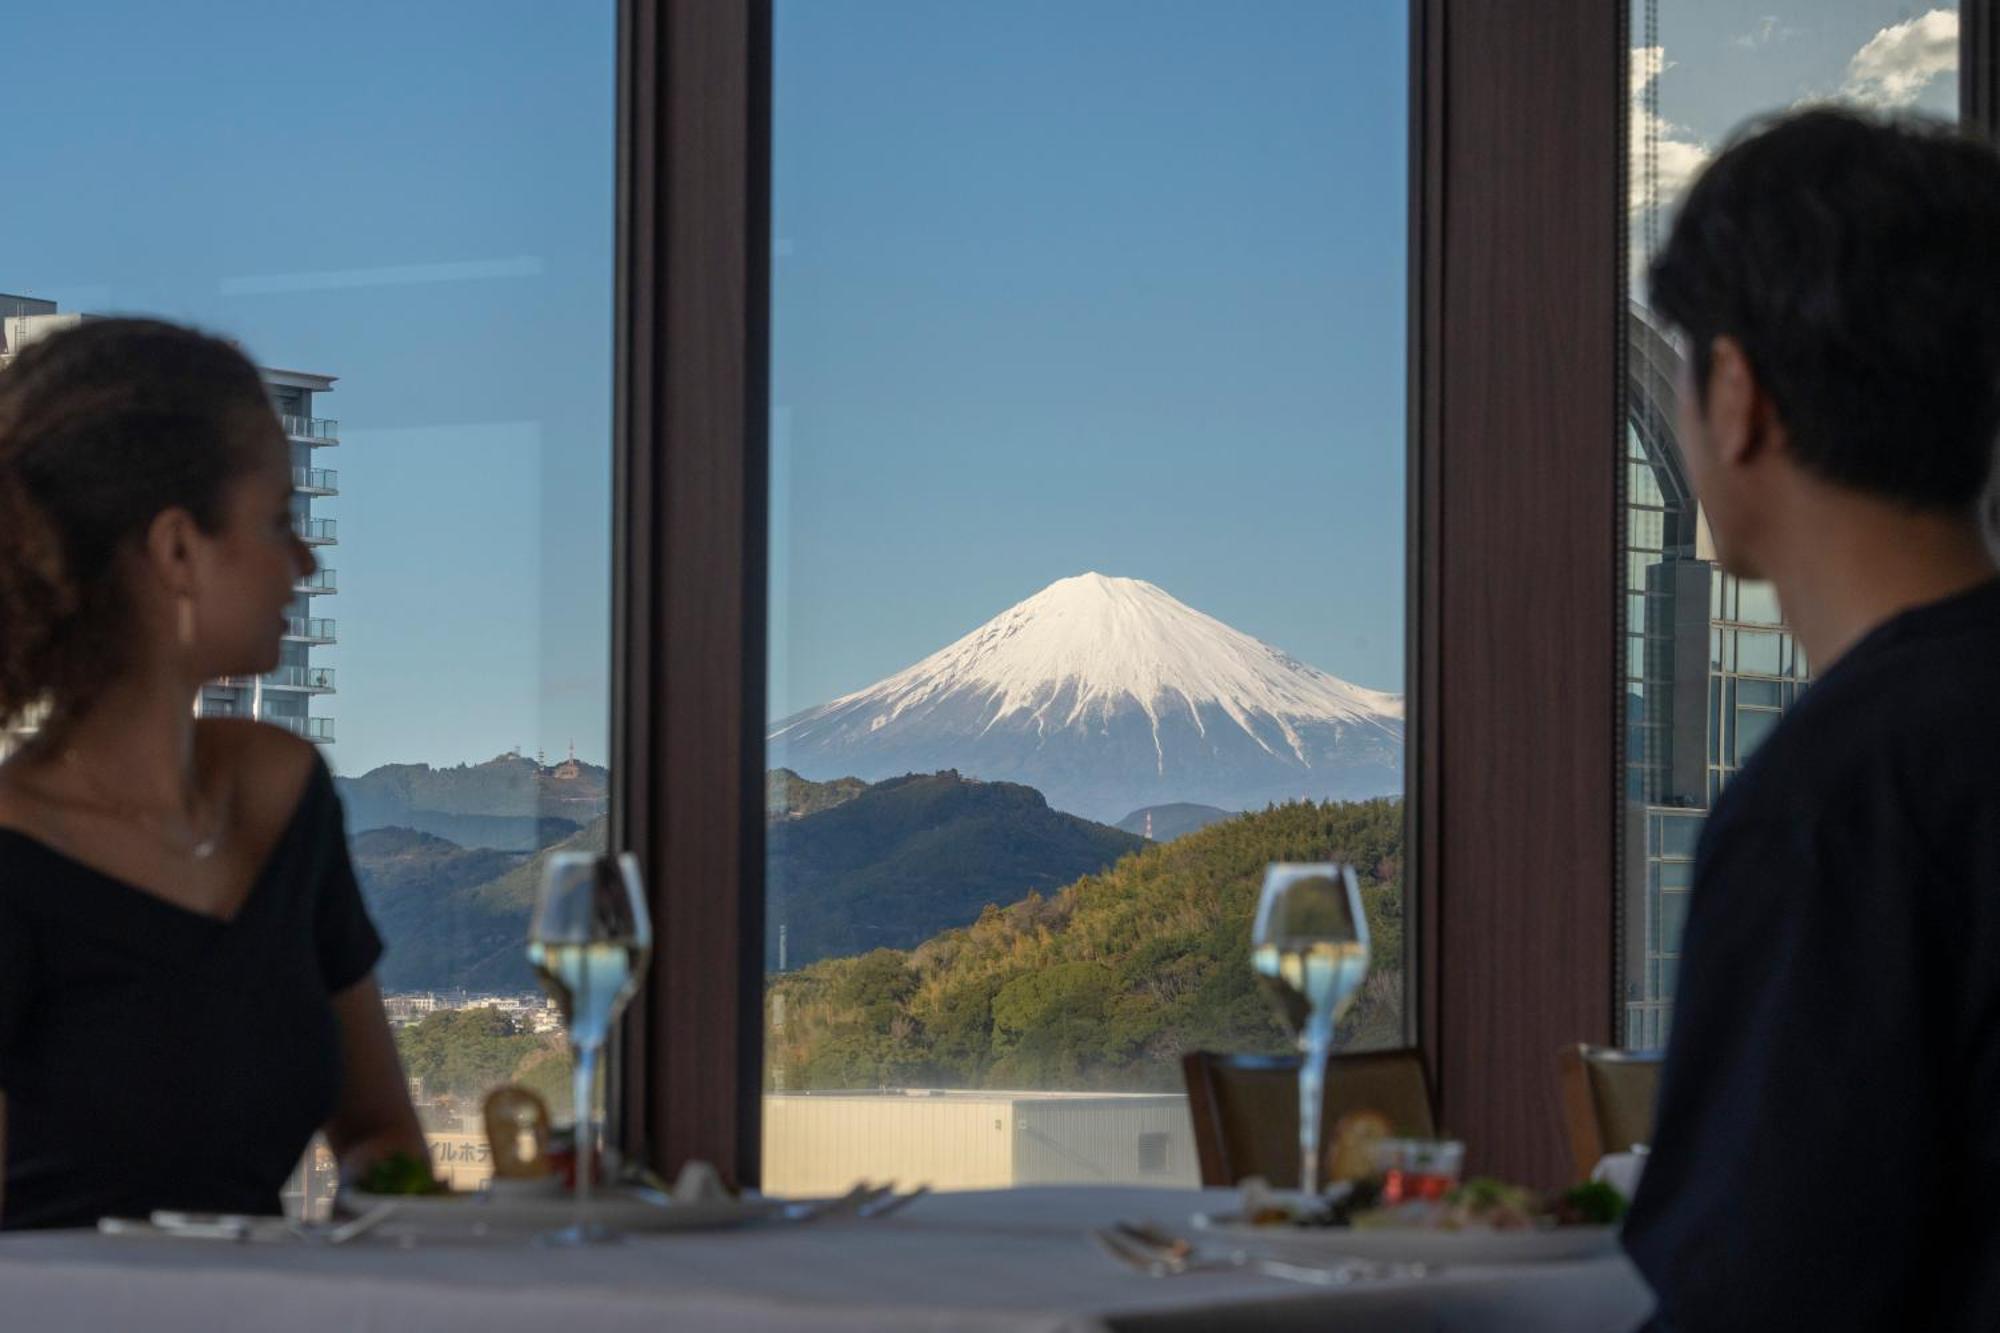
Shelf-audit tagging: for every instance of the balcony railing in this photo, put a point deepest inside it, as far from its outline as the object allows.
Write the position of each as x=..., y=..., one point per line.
x=313, y=680
x=316, y=480
x=309, y=629
x=316, y=531
x=321, y=431
x=316, y=729
x=318, y=583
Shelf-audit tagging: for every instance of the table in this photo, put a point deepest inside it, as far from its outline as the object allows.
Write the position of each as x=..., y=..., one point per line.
x=999, y=1262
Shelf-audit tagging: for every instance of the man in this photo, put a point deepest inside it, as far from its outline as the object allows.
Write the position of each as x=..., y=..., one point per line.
x=1827, y=1152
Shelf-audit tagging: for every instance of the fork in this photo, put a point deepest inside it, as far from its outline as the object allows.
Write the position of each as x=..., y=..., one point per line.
x=1159, y=1254
x=854, y=1203
x=882, y=1207
x=346, y=1231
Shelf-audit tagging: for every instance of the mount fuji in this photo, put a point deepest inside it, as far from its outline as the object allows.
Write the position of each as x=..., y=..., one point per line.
x=1107, y=694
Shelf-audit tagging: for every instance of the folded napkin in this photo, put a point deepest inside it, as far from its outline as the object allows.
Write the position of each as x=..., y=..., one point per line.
x=699, y=1182
x=1621, y=1170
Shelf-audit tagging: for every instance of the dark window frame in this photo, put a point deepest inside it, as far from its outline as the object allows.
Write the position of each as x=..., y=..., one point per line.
x=1516, y=612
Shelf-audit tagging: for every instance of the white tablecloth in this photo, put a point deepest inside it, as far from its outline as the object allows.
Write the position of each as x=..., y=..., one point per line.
x=1013, y=1262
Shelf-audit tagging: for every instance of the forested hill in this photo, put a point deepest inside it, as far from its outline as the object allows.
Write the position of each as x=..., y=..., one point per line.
x=454, y=918
x=1102, y=985
x=789, y=796
x=903, y=859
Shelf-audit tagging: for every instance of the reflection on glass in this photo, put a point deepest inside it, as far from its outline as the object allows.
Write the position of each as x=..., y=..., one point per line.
x=405, y=218
x=1697, y=71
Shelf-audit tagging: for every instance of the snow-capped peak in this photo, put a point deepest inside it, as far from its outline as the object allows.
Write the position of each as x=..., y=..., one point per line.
x=1090, y=643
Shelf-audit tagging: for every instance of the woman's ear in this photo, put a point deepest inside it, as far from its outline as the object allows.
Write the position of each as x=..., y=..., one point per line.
x=170, y=549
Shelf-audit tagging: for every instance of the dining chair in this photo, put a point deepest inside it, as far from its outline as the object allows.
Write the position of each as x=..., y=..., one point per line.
x=1607, y=1099
x=1246, y=1108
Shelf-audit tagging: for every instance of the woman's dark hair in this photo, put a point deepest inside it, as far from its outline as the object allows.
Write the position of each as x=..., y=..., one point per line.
x=102, y=426
x=1856, y=259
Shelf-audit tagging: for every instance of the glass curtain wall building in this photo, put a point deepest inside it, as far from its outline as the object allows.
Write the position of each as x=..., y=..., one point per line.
x=1709, y=669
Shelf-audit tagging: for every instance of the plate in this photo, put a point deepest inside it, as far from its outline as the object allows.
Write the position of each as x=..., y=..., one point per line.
x=484, y=1213
x=1418, y=1245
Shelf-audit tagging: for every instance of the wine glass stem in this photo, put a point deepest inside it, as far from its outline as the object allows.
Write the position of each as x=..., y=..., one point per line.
x=586, y=1130
x=1312, y=1101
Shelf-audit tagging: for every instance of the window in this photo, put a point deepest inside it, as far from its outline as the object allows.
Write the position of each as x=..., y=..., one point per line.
x=1697, y=71
x=1087, y=469
x=410, y=228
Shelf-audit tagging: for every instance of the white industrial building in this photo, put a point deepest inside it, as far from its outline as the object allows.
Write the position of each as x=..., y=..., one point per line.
x=822, y=1142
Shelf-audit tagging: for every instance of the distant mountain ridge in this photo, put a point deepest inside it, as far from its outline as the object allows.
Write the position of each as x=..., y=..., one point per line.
x=1164, y=823
x=511, y=802
x=1108, y=695
x=918, y=854
x=892, y=863
x=455, y=917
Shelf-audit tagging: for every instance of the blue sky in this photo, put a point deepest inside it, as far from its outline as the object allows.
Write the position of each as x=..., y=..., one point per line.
x=417, y=199
x=1723, y=61
x=1062, y=287
x=1058, y=286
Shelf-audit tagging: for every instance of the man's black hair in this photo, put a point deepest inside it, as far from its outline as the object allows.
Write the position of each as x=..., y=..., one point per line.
x=1856, y=259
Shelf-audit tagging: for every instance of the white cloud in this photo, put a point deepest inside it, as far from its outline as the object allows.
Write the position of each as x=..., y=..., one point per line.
x=1678, y=155
x=1895, y=65
x=1767, y=31
x=1648, y=63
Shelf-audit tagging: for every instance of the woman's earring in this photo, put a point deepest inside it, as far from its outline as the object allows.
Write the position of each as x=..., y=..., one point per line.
x=186, y=610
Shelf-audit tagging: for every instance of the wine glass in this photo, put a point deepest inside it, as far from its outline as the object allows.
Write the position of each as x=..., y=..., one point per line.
x=1309, y=949
x=588, y=942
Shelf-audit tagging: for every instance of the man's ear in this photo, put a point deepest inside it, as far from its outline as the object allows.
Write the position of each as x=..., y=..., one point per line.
x=1740, y=417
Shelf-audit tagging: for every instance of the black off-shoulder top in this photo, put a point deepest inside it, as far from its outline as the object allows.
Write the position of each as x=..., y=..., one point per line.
x=156, y=1057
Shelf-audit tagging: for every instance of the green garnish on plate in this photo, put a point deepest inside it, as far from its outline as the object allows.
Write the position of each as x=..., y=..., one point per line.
x=401, y=1173
x=1592, y=1204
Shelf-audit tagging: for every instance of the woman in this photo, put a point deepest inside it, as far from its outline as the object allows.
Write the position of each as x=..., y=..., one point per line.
x=186, y=969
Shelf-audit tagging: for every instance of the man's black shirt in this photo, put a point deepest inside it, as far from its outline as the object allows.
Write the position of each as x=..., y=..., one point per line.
x=1827, y=1152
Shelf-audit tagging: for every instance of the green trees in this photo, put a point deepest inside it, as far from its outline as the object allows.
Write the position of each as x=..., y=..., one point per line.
x=1105, y=983
x=900, y=860
x=462, y=1054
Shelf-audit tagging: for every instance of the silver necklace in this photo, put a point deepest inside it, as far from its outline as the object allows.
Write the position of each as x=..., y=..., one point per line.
x=192, y=844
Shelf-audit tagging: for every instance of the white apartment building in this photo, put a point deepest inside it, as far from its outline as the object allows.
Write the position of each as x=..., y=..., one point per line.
x=289, y=696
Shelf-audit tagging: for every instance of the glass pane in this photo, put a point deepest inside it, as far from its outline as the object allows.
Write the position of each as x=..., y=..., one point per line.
x=1758, y=653
x=1678, y=834
x=409, y=228
x=1758, y=605
x=1673, y=918
x=1760, y=693
x=1752, y=726
x=1087, y=546
x=1698, y=69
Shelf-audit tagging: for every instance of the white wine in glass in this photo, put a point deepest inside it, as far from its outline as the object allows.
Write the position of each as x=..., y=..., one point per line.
x=1309, y=949
x=588, y=942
